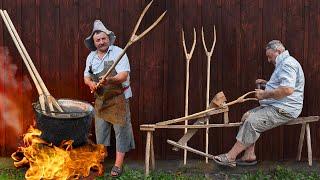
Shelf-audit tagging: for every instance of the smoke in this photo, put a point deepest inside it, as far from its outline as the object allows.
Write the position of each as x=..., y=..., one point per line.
x=15, y=101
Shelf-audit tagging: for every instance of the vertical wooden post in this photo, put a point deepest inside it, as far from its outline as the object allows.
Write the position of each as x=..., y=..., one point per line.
x=226, y=117
x=152, y=152
x=207, y=105
x=309, y=144
x=147, y=158
x=186, y=108
x=301, y=139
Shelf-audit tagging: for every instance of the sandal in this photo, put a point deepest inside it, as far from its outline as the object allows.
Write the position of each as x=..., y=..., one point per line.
x=115, y=171
x=223, y=160
x=241, y=162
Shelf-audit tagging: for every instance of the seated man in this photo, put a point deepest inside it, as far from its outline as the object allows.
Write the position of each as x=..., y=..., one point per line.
x=280, y=102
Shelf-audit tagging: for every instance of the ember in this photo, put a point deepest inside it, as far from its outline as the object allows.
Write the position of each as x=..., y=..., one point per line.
x=47, y=161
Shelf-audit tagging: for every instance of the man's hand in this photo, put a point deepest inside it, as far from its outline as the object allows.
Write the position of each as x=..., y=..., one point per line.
x=93, y=86
x=260, y=94
x=261, y=81
x=105, y=81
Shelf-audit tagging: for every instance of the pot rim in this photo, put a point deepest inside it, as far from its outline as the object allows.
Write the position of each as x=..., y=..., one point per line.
x=90, y=110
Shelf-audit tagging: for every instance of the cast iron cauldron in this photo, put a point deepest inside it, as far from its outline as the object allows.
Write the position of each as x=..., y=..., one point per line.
x=74, y=123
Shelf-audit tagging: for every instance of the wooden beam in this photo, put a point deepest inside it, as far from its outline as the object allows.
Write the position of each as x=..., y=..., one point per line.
x=190, y=149
x=201, y=114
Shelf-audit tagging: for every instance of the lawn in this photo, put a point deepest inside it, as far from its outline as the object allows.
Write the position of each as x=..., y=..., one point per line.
x=196, y=170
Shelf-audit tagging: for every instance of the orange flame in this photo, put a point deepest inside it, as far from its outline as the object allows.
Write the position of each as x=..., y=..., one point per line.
x=47, y=161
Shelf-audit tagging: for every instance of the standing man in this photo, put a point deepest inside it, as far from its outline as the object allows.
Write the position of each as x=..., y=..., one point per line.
x=280, y=102
x=112, y=98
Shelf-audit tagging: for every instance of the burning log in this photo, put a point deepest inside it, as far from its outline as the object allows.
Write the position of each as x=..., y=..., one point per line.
x=47, y=161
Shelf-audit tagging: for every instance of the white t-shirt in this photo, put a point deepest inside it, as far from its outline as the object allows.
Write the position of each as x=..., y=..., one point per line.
x=111, y=55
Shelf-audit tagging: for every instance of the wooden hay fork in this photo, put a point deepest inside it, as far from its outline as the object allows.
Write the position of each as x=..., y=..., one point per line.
x=188, y=58
x=134, y=38
x=209, y=54
x=45, y=97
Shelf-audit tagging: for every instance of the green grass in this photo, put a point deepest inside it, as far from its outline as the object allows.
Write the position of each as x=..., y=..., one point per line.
x=280, y=173
x=9, y=174
x=138, y=174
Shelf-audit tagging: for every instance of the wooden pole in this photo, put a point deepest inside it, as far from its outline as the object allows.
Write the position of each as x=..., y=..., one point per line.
x=147, y=158
x=188, y=58
x=301, y=139
x=50, y=99
x=190, y=149
x=186, y=110
x=34, y=79
x=309, y=144
x=209, y=55
x=44, y=95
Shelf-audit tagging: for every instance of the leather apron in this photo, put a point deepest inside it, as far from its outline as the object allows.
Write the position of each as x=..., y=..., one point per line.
x=110, y=102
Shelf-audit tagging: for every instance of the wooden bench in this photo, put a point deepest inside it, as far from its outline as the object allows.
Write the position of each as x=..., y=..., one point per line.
x=150, y=128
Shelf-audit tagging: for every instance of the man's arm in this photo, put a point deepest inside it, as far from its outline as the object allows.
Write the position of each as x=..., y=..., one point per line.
x=117, y=79
x=277, y=93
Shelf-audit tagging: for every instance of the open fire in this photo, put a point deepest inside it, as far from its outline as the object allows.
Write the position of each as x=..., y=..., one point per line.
x=47, y=161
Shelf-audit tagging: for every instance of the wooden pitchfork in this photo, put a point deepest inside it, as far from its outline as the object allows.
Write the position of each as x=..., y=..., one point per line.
x=209, y=55
x=45, y=97
x=188, y=58
x=134, y=38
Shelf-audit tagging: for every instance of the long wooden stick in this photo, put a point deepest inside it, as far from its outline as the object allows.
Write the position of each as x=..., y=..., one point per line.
x=188, y=58
x=190, y=149
x=134, y=38
x=34, y=79
x=203, y=113
x=44, y=95
x=50, y=99
x=209, y=55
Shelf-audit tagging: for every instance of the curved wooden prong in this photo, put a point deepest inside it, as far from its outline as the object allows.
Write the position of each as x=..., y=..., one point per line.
x=189, y=55
x=140, y=19
x=242, y=98
x=209, y=53
x=49, y=101
x=184, y=42
x=42, y=102
x=56, y=104
x=194, y=42
x=203, y=41
x=149, y=28
x=250, y=99
x=214, y=39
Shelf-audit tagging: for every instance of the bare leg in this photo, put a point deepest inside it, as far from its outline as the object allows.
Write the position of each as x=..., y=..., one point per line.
x=119, y=161
x=249, y=154
x=237, y=148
